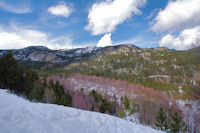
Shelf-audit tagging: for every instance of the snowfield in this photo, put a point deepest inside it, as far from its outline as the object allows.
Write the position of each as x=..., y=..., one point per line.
x=18, y=115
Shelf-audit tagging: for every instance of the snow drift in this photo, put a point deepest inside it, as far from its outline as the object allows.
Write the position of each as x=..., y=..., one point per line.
x=18, y=115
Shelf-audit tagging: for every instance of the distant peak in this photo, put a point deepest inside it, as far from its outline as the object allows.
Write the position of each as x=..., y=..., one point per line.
x=161, y=48
x=37, y=47
x=129, y=45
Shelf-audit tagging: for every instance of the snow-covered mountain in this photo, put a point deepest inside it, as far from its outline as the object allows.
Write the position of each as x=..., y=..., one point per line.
x=49, y=57
x=18, y=115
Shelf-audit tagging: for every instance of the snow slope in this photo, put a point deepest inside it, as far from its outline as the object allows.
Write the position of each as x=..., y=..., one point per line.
x=18, y=115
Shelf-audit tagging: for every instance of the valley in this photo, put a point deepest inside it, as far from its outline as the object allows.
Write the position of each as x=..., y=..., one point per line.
x=104, y=79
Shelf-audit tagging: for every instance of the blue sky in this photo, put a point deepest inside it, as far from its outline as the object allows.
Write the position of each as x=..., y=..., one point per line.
x=79, y=23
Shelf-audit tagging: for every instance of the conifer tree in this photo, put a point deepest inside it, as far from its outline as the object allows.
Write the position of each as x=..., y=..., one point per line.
x=29, y=81
x=161, y=120
x=126, y=103
x=177, y=124
x=11, y=75
x=68, y=99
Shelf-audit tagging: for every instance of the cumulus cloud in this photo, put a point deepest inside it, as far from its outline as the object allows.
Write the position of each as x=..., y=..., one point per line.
x=187, y=39
x=62, y=9
x=105, y=40
x=18, y=9
x=105, y=16
x=19, y=37
x=177, y=15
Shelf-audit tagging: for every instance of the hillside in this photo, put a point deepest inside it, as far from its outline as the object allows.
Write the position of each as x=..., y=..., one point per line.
x=162, y=69
x=142, y=99
x=19, y=115
x=40, y=57
x=124, y=80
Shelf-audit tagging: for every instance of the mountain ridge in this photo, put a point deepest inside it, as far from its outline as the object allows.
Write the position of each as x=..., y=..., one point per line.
x=49, y=57
x=174, y=74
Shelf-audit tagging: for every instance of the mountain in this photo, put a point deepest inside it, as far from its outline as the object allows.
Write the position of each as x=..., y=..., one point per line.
x=20, y=115
x=174, y=69
x=116, y=75
x=46, y=58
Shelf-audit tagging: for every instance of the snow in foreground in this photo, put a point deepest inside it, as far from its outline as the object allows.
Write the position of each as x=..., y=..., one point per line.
x=18, y=115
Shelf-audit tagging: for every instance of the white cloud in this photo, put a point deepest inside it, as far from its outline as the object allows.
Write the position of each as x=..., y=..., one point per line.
x=105, y=16
x=105, y=40
x=152, y=14
x=177, y=15
x=19, y=37
x=62, y=9
x=188, y=38
x=18, y=9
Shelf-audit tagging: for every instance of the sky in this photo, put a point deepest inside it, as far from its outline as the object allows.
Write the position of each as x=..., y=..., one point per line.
x=66, y=24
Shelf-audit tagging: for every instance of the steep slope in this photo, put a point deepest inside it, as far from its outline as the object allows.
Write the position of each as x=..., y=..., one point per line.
x=40, y=57
x=175, y=73
x=151, y=74
x=162, y=69
x=19, y=115
x=141, y=99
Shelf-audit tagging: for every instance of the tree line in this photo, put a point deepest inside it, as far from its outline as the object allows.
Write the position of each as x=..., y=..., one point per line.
x=26, y=83
x=15, y=78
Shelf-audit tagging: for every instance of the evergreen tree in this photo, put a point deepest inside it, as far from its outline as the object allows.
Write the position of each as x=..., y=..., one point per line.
x=177, y=124
x=97, y=96
x=102, y=108
x=126, y=103
x=105, y=106
x=11, y=75
x=60, y=96
x=63, y=100
x=68, y=99
x=29, y=81
x=37, y=93
x=161, y=120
